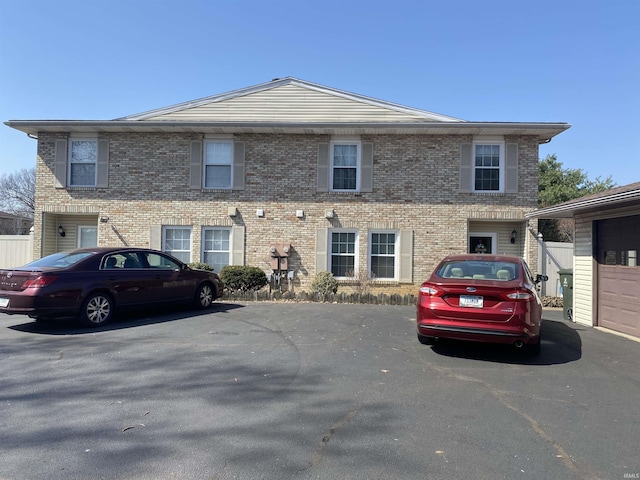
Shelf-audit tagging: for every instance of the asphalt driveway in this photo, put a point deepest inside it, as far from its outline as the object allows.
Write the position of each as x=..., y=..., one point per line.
x=322, y=391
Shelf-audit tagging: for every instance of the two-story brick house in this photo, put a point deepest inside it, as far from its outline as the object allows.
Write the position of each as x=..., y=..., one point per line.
x=351, y=183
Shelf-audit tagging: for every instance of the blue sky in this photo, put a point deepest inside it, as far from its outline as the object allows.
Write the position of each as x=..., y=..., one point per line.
x=574, y=61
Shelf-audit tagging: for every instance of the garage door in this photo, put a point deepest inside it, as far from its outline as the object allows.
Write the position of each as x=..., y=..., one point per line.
x=618, y=292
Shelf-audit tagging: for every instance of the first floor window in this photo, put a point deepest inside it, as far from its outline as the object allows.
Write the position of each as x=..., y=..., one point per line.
x=343, y=253
x=83, y=158
x=177, y=242
x=345, y=164
x=487, y=167
x=218, y=162
x=216, y=248
x=383, y=255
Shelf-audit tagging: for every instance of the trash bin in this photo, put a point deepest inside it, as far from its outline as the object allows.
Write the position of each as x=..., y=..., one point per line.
x=566, y=282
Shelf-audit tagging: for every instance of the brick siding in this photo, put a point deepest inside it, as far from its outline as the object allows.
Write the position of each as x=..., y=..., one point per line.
x=416, y=181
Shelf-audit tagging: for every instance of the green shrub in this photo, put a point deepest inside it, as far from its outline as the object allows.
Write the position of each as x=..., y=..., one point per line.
x=243, y=278
x=200, y=266
x=324, y=283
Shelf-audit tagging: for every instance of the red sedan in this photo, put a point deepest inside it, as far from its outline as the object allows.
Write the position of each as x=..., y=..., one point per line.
x=92, y=283
x=481, y=298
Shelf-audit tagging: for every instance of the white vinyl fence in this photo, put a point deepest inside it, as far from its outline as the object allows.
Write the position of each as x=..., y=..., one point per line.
x=554, y=256
x=15, y=250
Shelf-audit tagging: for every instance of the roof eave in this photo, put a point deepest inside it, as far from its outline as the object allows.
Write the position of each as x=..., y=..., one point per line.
x=544, y=131
x=573, y=208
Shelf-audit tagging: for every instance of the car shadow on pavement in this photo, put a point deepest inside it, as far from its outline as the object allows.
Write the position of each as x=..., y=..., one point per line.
x=129, y=319
x=560, y=344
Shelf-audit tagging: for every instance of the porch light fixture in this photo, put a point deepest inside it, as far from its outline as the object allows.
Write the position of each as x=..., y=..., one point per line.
x=61, y=231
x=514, y=234
x=329, y=214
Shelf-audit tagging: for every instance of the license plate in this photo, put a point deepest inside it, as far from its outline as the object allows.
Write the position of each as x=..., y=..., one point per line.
x=4, y=302
x=471, y=301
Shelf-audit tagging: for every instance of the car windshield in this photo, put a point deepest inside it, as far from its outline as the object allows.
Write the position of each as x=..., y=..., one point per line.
x=478, y=269
x=59, y=260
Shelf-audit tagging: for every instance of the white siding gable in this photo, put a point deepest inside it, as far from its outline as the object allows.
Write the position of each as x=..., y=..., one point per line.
x=291, y=101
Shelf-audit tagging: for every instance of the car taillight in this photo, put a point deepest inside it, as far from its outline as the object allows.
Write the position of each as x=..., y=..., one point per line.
x=41, y=281
x=520, y=295
x=429, y=290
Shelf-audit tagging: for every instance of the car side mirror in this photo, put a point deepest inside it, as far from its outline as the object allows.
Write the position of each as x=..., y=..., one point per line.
x=541, y=278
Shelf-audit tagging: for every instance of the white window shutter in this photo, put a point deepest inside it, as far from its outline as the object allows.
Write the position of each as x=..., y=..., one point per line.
x=406, y=256
x=60, y=163
x=237, y=249
x=366, y=182
x=195, y=165
x=155, y=237
x=466, y=167
x=103, y=164
x=511, y=168
x=238, y=166
x=322, y=237
x=323, y=167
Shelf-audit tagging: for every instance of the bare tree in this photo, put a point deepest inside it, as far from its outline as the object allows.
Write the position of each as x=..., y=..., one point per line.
x=18, y=192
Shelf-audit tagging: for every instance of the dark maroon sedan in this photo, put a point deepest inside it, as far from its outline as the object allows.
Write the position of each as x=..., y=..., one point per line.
x=91, y=283
x=482, y=298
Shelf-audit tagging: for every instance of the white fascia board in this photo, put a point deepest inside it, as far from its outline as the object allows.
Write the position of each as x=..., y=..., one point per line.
x=570, y=210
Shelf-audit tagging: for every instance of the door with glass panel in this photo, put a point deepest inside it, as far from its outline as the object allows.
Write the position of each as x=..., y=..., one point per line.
x=87, y=236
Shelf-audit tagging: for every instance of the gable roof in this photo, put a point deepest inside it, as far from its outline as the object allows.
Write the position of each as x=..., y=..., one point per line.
x=613, y=198
x=290, y=100
x=290, y=105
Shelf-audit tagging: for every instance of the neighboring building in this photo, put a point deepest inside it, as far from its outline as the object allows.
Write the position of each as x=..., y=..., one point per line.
x=11, y=224
x=606, y=276
x=351, y=183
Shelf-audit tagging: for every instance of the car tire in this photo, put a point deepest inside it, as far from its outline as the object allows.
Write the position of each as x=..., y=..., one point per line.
x=97, y=309
x=426, y=340
x=205, y=295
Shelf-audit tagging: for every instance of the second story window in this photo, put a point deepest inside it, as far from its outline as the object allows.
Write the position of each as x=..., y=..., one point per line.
x=345, y=166
x=218, y=164
x=488, y=166
x=83, y=159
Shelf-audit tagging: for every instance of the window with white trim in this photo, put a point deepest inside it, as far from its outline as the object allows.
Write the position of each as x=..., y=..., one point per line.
x=488, y=166
x=176, y=241
x=83, y=161
x=345, y=166
x=216, y=247
x=343, y=256
x=383, y=251
x=218, y=164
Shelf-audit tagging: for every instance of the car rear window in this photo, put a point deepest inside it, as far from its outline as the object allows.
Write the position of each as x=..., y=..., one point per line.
x=478, y=269
x=59, y=260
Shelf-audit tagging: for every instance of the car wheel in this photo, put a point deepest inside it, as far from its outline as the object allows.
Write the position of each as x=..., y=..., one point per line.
x=204, y=296
x=97, y=309
x=426, y=340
